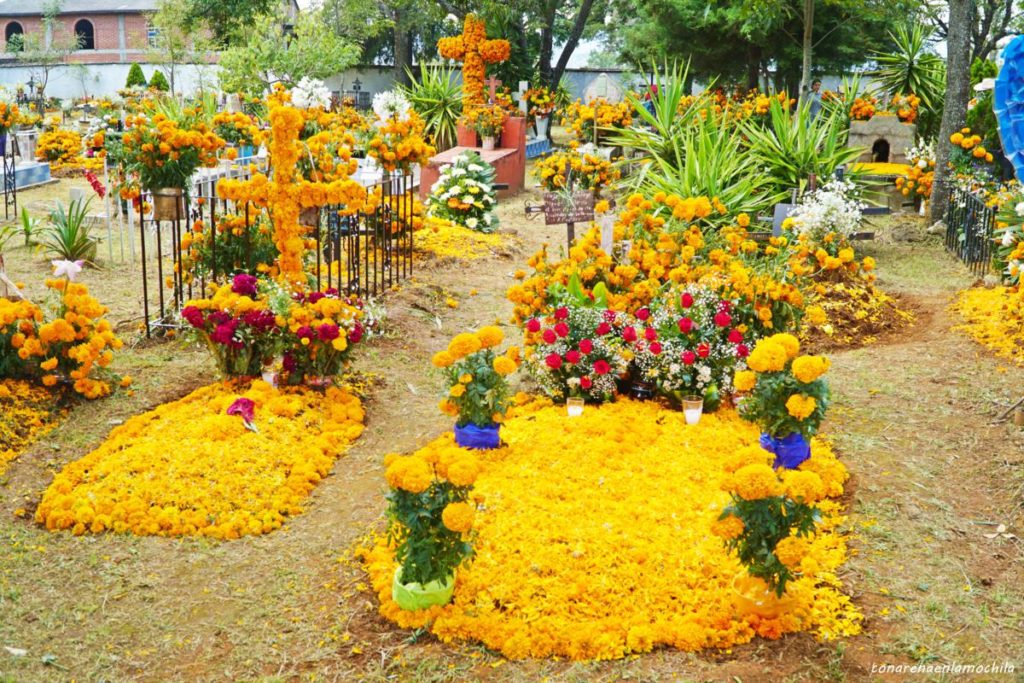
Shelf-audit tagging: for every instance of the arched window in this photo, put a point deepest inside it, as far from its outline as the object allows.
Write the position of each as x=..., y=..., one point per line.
x=86, y=35
x=14, y=29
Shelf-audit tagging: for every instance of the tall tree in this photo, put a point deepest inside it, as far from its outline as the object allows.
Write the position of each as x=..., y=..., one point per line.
x=229, y=21
x=175, y=43
x=271, y=55
x=990, y=21
x=958, y=93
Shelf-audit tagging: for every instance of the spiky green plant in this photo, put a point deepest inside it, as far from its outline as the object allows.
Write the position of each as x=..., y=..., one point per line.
x=437, y=97
x=67, y=236
x=911, y=67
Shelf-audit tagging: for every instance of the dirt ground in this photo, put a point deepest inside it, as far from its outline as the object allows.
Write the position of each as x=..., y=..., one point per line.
x=934, y=477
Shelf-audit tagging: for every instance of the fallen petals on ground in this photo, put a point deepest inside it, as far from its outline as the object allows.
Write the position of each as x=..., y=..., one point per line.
x=994, y=318
x=190, y=468
x=27, y=412
x=594, y=540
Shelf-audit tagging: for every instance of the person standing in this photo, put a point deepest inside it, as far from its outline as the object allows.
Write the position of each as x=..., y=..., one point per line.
x=815, y=97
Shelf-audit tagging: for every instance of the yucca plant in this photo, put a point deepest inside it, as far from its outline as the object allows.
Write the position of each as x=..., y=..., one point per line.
x=912, y=68
x=67, y=237
x=437, y=97
x=793, y=146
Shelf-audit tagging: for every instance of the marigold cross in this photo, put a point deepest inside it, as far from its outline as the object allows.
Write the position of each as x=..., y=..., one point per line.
x=284, y=194
x=474, y=50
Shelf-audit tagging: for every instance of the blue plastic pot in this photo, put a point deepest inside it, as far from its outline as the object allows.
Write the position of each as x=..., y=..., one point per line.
x=789, y=451
x=246, y=152
x=3, y=145
x=482, y=438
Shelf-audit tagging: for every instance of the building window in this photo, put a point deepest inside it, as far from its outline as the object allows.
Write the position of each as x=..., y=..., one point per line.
x=16, y=32
x=86, y=35
x=151, y=35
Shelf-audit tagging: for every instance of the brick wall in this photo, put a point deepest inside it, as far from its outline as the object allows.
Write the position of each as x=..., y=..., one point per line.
x=106, y=32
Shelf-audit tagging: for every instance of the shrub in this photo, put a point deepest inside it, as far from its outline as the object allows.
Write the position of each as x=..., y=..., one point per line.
x=67, y=237
x=136, y=79
x=437, y=98
x=159, y=82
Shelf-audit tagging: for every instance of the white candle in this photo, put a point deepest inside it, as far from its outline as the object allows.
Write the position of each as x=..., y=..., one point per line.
x=692, y=415
x=574, y=407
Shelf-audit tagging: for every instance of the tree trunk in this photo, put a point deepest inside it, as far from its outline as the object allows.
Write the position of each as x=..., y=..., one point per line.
x=546, y=47
x=574, y=39
x=401, y=49
x=958, y=92
x=754, y=67
x=805, y=77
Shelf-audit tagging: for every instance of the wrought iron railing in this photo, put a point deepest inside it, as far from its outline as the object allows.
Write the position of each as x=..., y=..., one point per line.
x=970, y=227
x=361, y=254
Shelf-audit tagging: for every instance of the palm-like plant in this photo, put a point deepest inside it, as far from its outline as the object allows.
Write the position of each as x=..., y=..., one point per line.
x=437, y=97
x=67, y=237
x=793, y=146
x=912, y=68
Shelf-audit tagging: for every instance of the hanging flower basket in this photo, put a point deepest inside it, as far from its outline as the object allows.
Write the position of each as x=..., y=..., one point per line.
x=168, y=204
x=789, y=451
x=481, y=438
x=415, y=596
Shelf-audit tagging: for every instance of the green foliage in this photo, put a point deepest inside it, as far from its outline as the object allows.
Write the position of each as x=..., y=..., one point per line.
x=485, y=394
x=766, y=521
x=227, y=20
x=426, y=549
x=67, y=237
x=437, y=97
x=981, y=118
x=268, y=56
x=136, y=79
x=7, y=234
x=691, y=152
x=159, y=82
x=29, y=227
x=792, y=146
x=911, y=67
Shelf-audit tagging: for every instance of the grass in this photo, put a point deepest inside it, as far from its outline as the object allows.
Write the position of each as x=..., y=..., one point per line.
x=912, y=419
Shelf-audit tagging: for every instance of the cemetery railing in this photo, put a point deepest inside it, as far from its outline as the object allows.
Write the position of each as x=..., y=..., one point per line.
x=360, y=254
x=970, y=228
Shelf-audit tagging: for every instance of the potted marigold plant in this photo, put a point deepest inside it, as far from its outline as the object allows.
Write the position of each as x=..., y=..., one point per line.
x=478, y=394
x=788, y=397
x=487, y=121
x=165, y=154
x=430, y=522
x=768, y=523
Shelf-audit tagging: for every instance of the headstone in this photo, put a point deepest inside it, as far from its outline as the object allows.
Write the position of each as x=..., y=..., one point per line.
x=603, y=86
x=574, y=207
x=524, y=106
x=607, y=223
x=492, y=84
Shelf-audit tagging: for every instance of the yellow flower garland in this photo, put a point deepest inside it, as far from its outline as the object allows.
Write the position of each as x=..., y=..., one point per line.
x=594, y=540
x=220, y=479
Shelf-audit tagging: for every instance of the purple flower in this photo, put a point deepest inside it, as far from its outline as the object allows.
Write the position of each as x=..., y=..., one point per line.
x=313, y=297
x=193, y=315
x=218, y=318
x=260, y=321
x=288, y=362
x=245, y=409
x=244, y=284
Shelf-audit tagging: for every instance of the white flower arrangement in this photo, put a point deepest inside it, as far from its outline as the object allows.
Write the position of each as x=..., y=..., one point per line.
x=464, y=193
x=833, y=208
x=311, y=93
x=391, y=104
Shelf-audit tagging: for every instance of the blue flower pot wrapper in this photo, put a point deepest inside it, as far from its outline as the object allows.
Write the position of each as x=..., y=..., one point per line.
x=481, y=438
x=415, y=596
x=789, y=451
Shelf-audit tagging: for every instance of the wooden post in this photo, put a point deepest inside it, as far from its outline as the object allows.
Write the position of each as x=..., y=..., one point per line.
x=570, y=227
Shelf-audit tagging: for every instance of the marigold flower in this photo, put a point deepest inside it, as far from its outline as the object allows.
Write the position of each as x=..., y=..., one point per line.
x=791, y=550
x=767, y=356
x=801, y=406
x=463, y=345
x=458, y=517
x=790, y=343
x=809, y=368
x=803, y=486
x=442, y=359
x=727, y=528
x=744, y=380
x=755, y=481
x=490, y=336
x=503, y=365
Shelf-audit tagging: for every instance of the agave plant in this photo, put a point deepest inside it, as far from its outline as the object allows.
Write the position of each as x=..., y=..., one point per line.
x=793, y=146
x=437, y=97
x=67, y=237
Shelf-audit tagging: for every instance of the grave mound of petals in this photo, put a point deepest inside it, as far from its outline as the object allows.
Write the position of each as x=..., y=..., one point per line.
x=594, y=540
x=27, y=412
x=193, y=467
x=994, y=317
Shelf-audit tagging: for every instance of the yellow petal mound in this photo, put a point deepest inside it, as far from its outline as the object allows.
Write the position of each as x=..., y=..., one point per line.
x=599, y=536
x=188, y=468
x=995, y=319
x=27, y=412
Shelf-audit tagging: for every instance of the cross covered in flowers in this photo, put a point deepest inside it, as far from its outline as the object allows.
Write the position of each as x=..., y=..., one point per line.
x=474, y=50
x=285, y=193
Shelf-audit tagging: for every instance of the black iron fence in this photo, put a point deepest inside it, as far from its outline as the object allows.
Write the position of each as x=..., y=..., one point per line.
x=361, y=254
x=970, y=228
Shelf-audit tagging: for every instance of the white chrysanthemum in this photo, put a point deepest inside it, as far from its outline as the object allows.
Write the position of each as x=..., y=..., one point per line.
x=391, y=104
x=830, y=209
x=1019, y=209
x=468, y=199
x=1008, y=238
x=472, y=223
x=311, y=93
